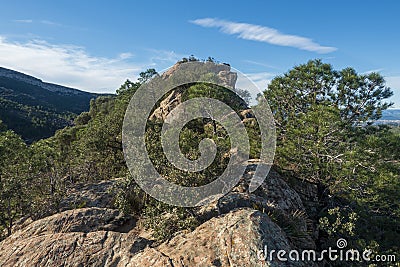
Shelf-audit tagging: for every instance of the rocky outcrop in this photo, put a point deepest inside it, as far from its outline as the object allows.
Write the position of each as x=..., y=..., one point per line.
x=235, y=229
x=309, y=193
x=273, y=194
x=222, y=73
x=98, y=195
x=166, y=105
x=79, y=220
x=247, y=114
x=83, y=237
x=274, y=197
x=95, y=195
x=233, y=239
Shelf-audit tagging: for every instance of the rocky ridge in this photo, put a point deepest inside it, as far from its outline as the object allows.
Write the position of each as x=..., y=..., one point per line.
x=35, y=81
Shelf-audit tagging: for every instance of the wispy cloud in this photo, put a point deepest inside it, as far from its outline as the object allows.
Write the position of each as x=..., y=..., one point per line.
x=23, y=20
x=71, y=65
x=51, y=23
x=252, y=62
x=43, y=21
x=160, y=57
x=263, y=34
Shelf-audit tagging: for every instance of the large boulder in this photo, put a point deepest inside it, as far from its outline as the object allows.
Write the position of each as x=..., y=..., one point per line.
x=79, y=220
x=273, y=194
x=81, y=237
x=275, y=197
x=233, y=239
x=96, y=194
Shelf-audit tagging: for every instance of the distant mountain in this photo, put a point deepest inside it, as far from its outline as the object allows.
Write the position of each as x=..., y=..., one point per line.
x=391, y=114
x=36, y=109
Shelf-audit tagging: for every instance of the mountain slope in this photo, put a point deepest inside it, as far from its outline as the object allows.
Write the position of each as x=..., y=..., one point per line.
x=36, y=109
x=391, y=114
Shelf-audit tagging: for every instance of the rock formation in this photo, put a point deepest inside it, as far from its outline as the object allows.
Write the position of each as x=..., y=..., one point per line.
x=89, y=231
x=235, y=229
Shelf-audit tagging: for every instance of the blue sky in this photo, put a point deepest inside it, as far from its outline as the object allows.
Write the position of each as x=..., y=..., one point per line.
x=96, y=45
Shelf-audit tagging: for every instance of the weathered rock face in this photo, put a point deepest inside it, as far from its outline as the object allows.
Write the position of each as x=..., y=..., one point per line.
x=77, y=238
x=222, y=73
x=89, y=195
x=82, y=237
x=236, y=227
x=233, y=239
x=274, y=197
x=100, y=195
x=273, y=193
x=166, y=105
x=80, y=220
x=309, y=194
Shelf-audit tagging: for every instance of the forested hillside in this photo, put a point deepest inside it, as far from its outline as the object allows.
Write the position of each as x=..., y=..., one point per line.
x=35, y=109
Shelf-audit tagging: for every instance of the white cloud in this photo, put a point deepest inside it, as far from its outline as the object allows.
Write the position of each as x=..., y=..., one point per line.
x=263, y=34
x=69, y=65
x=123, y=56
